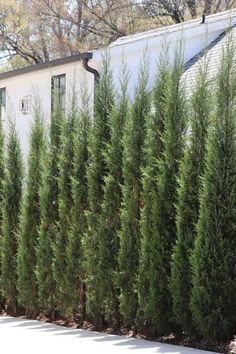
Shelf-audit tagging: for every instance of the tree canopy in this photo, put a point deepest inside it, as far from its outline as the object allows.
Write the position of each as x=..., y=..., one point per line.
x=36, y=31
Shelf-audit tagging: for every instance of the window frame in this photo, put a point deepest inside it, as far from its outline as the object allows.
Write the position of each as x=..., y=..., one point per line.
x=3, y=89
x=25, y=104
x=61, y=95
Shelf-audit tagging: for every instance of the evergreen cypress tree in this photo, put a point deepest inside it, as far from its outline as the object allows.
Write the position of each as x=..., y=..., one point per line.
x=187, y=210
x=75, y=281
x=30, y=218
x=153, y=149
x=109, y=222
x=10, y=217
x=49, y=214
x=213, y=261
x=2, y=164
x=132, y=199
x=97, y=169
x=163, y=211
x=65, y=166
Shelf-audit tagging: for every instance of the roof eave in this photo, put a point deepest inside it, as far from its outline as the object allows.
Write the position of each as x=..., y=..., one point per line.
x=46, y=65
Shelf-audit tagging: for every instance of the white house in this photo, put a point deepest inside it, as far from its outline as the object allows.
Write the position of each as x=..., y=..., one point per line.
x=19, y=87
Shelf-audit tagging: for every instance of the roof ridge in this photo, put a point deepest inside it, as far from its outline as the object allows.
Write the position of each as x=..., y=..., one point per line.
x=174, y=27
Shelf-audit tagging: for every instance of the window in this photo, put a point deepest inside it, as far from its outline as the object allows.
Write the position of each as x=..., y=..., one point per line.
x=25, y=105
x=2, y=104
x=59, y=90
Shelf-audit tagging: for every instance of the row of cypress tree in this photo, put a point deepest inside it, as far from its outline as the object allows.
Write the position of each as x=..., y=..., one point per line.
x=129, y=218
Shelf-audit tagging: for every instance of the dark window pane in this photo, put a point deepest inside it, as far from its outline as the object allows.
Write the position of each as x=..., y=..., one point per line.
x=59, y=90
x=3, y=97
x=62, y=85
x=2, y=103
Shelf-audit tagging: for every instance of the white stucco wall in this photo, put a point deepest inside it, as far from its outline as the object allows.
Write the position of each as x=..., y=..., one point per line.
x=38, y=84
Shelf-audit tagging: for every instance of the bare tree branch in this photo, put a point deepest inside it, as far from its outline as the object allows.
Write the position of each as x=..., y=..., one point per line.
x=39, y=30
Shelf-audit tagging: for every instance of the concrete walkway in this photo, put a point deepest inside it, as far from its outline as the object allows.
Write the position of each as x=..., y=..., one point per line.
x=34, y=337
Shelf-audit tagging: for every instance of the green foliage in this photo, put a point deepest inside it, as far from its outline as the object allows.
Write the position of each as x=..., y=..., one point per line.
x=109, y=222
x=164, y=228
x=97, y=169
x=122, y=223
x=132, y=198
x=153, y=149
x=49, y=214
x=2, y=166
x=213, y=261
x=75, y=288
x=187, y=210
x=30, y=218
x=10, y=217
x=65, y=169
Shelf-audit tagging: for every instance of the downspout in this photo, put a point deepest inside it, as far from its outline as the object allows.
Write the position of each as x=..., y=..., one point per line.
x=91, y=70
x=203, y=18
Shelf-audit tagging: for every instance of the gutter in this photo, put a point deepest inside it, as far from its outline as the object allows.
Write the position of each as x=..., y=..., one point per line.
x=85, y=57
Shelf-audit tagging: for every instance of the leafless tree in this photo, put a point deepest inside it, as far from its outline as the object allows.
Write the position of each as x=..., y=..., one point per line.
x=32, y=31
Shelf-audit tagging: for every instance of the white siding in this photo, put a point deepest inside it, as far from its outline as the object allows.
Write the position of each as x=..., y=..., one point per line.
x=38, y=84
x=194, y=34
x=195, y=37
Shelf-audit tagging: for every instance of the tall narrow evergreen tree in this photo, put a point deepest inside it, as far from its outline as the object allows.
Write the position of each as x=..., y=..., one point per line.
x=65, y=166
x=97, y=169
x=2, y=164
x=164, y=228
x=153, y=149
x=214, y=258
x=49, y=215
x=187, y=210
x=30, y=218
x=10, y=218
x=75, y=277
x=132, y=199
x=109, y=223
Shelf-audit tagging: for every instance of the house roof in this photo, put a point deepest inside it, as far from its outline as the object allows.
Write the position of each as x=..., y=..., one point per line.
x=212, y=54
x=47, y=64
x=226, y=15
x=219, y=21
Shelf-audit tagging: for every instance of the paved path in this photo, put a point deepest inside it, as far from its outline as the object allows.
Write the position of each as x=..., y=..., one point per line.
x=34, y=337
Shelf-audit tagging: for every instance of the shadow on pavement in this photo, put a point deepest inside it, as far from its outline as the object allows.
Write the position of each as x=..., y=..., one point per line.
x=129, y=343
